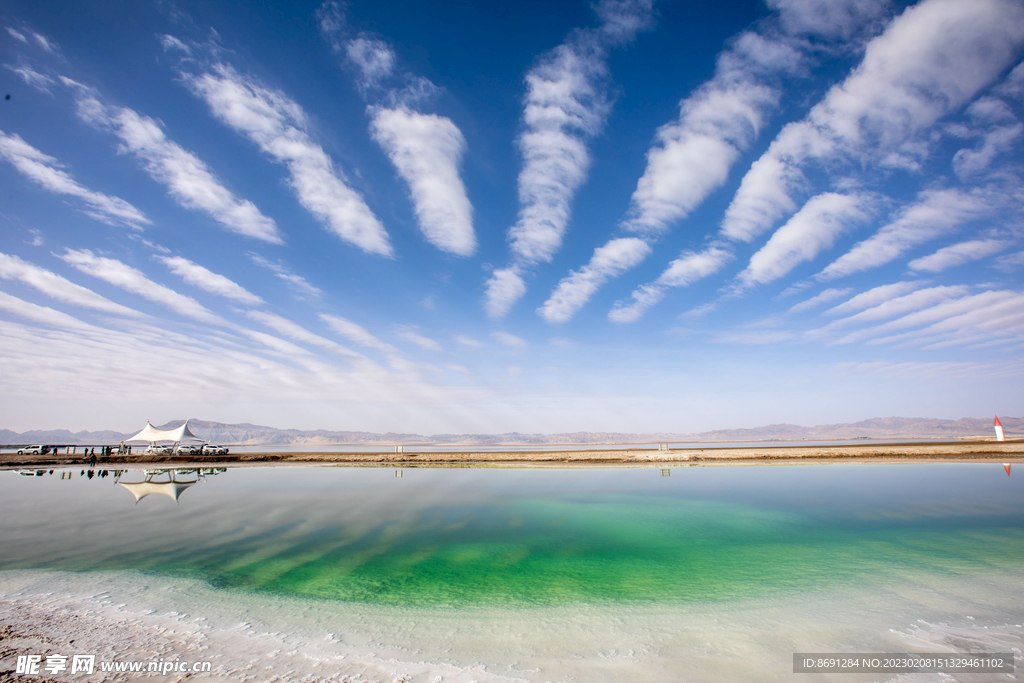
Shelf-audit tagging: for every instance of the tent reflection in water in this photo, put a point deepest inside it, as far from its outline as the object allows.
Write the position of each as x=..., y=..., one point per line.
x=177, y=436
x=173, y=487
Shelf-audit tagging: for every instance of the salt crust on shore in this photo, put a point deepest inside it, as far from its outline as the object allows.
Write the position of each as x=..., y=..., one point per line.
x=967, y=451
x=128, y=616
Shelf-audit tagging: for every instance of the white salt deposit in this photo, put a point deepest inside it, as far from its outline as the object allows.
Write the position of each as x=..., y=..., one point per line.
x=128, y=616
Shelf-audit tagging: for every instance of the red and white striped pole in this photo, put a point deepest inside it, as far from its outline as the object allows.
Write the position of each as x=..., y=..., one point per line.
x=999, y=431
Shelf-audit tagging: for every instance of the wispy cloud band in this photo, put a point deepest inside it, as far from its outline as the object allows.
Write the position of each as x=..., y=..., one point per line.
x=188, y=180
x=45, y=171
x=566, y=104
x=278, y=126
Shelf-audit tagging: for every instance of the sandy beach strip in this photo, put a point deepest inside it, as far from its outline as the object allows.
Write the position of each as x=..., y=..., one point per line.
x=953, y=451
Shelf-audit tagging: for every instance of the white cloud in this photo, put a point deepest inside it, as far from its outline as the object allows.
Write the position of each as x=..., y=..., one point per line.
x=763, y=331
x=1010, y=261
x=468, y=341
x=742, y=98
x=929, y=61
x=958, y=254
x=827, y=17
x=1013, y=84
x=504, y=288
x=375, y=59
x=810, y=231
x=357, y=333
x=427, y=150
x=565, y=106
x=44, y=171
x=195, y=274
x=873, y=297
x=32, y=77
x=188, y=180
x=969, y=162
x=455, y=367
x=220, y=369
x=331, y=19
x=693, y=266
x=685, y=270
x=795, y=288
x=42, y=314
x=915, y=301
x=172, y=43
x=913, y=304
x=17, y=34
x=301, y=334
x=372, y=56
x=990, y=109
x=134, y=281
x=513, y=371
x=297, y=283
x=621, y=20
x=978, y=308
x=53, y=285
x=935, y=213
x=825, y=297
x=980, y=325
x=567, y=102
x=699, y=311
x=44, y=42
x=280, y=347
x=360, y=335
x=561, y=343
x=763, y=196
x=692, y=156
x=608, y=261
x=412, y=335
x=934, y=369
x=509, y=340
x=756, y=337
x=278, y=125
x=642, y=298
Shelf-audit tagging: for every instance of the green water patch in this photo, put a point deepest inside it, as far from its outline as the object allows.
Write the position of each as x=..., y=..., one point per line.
x=527, y=537
x=616, y=548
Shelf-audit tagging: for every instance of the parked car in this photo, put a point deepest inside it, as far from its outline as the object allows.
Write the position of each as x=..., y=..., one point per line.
x=210, y=449
x=159, y=450
x=33, y=450
x=187, y=450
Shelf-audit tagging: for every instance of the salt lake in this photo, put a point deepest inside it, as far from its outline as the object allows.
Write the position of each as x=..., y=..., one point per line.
x=524, y=574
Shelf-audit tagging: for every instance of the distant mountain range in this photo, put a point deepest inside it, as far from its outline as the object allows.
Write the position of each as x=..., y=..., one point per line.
x=257, y=435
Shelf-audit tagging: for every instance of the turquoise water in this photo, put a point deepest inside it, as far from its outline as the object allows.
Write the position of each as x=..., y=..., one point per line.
x=491, y=537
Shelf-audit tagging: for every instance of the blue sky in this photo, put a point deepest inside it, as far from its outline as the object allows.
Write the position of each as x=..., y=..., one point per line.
x=469, y=217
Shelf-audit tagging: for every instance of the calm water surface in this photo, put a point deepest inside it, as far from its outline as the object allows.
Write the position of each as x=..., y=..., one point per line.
x=510, y=448
x=544, y=537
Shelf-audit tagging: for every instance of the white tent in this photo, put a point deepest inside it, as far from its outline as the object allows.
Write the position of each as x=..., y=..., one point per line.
x=151, y=434
x=171, y=489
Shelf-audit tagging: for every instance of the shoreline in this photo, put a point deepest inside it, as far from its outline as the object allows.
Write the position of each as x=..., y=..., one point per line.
x=974, y=451
x=129, y=616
